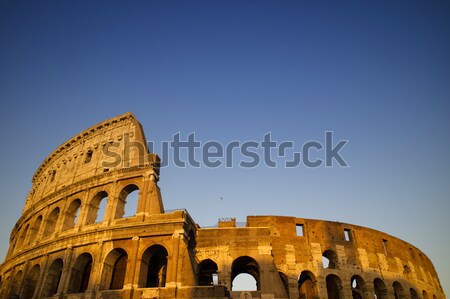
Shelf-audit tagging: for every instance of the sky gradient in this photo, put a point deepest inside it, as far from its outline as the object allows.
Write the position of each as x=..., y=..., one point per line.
x=376, y=73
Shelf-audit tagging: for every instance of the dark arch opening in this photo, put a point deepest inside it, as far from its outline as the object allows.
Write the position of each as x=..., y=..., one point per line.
x=424, y=294
x=72, y=214
x=114, y=269
x=51, y=222
x=15, y=284
x=245, y=265
x=53, y=278
x=35, y=229
x=330, y=259
x=206, y=271
x=413, y=293
x=153, y=267
x=358, y=286
x=307, y=285
x=22, y=238
x=31, y=283
x=380, y=289
x=81, y=272
x=398, y=290
x=334, y=287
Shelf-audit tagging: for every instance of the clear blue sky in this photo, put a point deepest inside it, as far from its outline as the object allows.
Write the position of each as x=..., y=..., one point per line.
x=375, y=72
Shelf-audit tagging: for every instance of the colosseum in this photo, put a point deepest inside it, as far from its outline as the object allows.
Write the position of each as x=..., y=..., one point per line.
x=65, y=245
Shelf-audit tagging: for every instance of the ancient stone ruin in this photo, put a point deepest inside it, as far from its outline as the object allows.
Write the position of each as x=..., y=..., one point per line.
x=63, y=247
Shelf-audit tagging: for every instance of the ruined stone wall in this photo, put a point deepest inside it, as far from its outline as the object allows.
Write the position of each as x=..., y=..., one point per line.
x=63, y=247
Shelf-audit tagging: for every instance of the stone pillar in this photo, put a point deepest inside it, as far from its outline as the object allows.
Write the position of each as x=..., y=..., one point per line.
x=65, y=276
x=132, y=275
x=42, y=275
x=150, y=201
x=171, y=278
x=97, y=267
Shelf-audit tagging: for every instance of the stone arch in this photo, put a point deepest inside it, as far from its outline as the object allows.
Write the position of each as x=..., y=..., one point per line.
x=100, y=199
x=246, y=265
x=80, y=274
x=307, y=285
x=114, y=269
x=52, y=220
x=128, y=202
x=334, y=287
x=398, y=290
x=379, y=289
x=358, y=287
x=31, y=282
x=206, y=270
x=72, y=213
x=153, y=267
x=14, y=289
x=330, y=259
x=34, y=231
x=413, y=293
x=22, y=238
x=424, y=294
x=53, y=278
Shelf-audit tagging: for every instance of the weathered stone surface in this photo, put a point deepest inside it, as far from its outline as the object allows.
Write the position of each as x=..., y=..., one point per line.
x=60, y=248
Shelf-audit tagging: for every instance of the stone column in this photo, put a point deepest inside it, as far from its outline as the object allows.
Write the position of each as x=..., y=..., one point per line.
x=65, y=276
x=132, y=275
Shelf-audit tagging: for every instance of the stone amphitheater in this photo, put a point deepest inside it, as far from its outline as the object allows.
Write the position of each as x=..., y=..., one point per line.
x=64, y=247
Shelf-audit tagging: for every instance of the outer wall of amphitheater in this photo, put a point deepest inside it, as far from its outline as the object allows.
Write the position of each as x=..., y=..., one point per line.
x=75, y=239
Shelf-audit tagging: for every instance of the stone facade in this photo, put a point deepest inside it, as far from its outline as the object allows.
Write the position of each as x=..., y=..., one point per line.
x=63, y=247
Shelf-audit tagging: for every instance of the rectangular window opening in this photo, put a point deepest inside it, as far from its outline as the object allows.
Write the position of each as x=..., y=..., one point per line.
x=347, y=235
x=299, y=228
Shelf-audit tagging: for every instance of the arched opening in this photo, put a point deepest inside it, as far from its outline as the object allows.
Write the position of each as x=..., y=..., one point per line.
x=330, y=259
x=53, y=278
x=128, y=202
x=285, y=281
x=80, y=274
x=334, y=287
x=307, y=285
x=424, y=294
x=245, y=265
x=413, y=293
x=398, y=290
x=72, y=214
x=15, y=285
x=358, y=285
x=35, y=229
x=114, y=269
x=51, y=222
x=153, y=267
x=206, y=270
x=97, y=208
x=29, y=287
x=22, y=238
x=379, y=288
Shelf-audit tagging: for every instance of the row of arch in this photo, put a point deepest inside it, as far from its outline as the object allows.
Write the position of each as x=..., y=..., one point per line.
x=93, y=211
x=307, y=282
x=153, y=269
x=307, y=285
x=114, y=270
